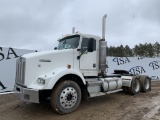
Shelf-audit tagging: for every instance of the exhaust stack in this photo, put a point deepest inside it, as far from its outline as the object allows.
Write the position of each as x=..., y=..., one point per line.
x=103, y=47
x=73, y=30
x=104, y=27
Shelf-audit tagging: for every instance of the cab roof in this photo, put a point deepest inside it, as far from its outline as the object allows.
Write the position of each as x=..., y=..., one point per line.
x=83, y=35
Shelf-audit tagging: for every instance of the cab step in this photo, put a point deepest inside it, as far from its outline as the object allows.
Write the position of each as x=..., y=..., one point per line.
x=114, y=91
x=97, y=94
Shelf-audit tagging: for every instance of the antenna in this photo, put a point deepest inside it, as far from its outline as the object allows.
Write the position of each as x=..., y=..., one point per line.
x=73, y=30
x=62, y=29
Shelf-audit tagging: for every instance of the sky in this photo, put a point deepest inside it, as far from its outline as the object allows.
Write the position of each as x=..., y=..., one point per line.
x=38, y=24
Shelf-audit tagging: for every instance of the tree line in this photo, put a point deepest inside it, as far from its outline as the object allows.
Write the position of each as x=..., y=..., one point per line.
x=141, y=50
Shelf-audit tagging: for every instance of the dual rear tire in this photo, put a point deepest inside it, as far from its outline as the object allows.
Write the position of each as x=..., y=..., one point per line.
x=138, y=84
x=145, y=82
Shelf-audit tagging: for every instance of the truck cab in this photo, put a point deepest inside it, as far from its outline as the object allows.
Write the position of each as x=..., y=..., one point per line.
x=76, y=68
x=85, y=52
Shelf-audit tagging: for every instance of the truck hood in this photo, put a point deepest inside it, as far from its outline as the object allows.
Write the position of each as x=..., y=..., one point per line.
x=41, y=63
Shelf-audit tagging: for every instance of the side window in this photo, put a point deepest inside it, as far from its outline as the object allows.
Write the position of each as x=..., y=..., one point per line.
x=85, y=42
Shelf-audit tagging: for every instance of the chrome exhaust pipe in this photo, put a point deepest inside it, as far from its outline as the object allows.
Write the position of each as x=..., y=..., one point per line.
x=102, y=48
x=104, y=27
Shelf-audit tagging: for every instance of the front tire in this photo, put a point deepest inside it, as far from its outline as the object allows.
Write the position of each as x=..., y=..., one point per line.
x=66, y=97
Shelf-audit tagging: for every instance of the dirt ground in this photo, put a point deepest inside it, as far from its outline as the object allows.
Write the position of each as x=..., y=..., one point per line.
x=118, y=106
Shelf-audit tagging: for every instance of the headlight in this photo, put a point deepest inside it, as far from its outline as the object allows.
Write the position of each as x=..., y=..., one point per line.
x=41, y=80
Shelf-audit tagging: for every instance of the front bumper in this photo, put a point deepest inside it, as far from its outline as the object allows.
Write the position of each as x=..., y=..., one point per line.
x=26, y=94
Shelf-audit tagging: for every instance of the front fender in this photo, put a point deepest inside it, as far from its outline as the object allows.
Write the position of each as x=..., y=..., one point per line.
x=60, y=72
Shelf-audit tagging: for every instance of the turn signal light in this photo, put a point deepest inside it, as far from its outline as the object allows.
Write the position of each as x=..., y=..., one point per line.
x=68, y=66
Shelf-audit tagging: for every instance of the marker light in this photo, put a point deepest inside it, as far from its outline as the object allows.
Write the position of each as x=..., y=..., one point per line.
x=67, y=35
x=41, y=80
x=68, y=66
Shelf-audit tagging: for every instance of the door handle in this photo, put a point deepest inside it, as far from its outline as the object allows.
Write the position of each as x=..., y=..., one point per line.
x=94, y=65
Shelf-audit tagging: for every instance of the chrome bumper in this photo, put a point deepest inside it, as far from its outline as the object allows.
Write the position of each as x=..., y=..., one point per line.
x=29, y=95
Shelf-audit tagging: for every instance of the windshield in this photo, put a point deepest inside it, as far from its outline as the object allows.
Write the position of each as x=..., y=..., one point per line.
x=70, y=42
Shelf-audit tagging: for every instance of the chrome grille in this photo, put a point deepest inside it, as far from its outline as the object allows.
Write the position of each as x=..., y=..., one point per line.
x=20, y=71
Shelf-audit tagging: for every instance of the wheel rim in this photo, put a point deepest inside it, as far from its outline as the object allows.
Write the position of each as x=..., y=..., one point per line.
x=68, y=97
x=136, y=85
x=147, y=84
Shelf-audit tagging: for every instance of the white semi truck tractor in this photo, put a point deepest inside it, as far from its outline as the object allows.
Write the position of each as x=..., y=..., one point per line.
x=76, y=69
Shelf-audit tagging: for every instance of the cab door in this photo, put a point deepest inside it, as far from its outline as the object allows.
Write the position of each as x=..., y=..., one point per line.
x=88, y=59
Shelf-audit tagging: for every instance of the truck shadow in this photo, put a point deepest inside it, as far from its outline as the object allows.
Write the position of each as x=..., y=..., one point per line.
x=45, y=109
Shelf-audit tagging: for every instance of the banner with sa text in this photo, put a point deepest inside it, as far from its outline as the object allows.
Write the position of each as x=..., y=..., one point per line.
x=8, y=57
x=136, y=65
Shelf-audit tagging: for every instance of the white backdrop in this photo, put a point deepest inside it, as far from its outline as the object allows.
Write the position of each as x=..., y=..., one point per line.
x=135, y=65
x=8, y=57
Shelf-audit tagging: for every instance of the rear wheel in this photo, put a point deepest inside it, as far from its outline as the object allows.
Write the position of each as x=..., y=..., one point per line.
x=66, y=97
x=135, y=86
x=145, y=82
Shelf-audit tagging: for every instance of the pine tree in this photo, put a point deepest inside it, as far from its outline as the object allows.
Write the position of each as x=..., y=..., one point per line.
x=156, y=48
x=128, y=51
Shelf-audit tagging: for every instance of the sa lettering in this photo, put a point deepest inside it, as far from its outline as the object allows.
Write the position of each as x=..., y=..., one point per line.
x=139, y=58
x=155, y=65
x=121, y=60
x=155, y=77
x=3, y=87
x=10, y=52
x=137, y=70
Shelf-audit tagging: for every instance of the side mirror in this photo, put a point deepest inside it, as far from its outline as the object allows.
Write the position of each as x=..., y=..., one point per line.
x=91, y=45
x=55, y=48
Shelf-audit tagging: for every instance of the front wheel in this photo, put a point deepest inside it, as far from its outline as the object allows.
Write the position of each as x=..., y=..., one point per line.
x=66, y=97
